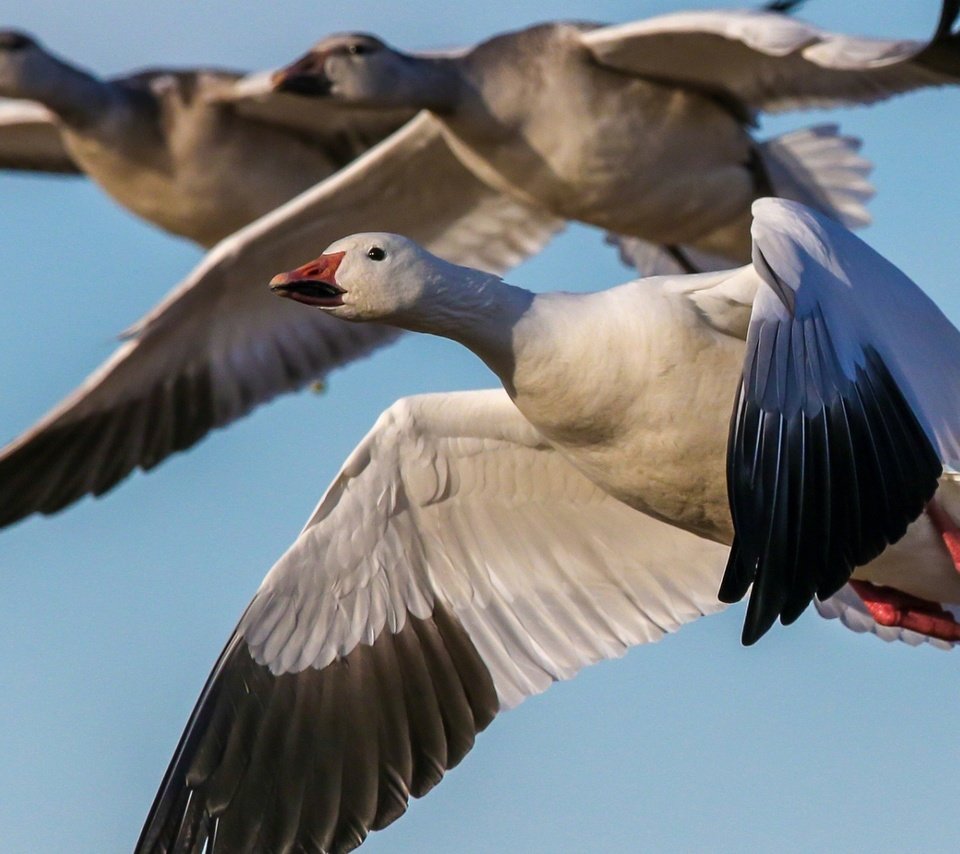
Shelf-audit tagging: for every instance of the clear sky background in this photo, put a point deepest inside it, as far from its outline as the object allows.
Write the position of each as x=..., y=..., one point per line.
x=113, y=612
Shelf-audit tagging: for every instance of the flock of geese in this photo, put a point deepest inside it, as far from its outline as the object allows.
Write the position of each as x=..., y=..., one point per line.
x=760, y=415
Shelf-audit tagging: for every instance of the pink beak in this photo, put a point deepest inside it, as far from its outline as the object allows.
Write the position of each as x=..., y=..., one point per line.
x=314, y=283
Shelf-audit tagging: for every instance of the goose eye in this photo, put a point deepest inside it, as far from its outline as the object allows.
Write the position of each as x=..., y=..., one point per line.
x=357, y=49
x=376, y=254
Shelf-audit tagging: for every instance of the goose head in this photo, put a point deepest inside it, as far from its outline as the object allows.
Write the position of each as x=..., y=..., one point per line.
x=25, y=67
x=360, y=69
x=28, y=71
x=375, y=276
x=391, y=279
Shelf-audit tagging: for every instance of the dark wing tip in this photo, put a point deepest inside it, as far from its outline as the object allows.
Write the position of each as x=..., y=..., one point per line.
x=823, y=471
x=942, y=53
x=949, y=13
x=91, y=454
x=315, y=760
x=783, y=7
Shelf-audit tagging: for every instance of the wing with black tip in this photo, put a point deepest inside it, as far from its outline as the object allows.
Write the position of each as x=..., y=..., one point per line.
x=221, y=344
x=457, y=565
x=848, y=408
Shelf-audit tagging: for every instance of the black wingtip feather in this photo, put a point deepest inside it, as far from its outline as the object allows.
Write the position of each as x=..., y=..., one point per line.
x=949, y=12
x=822, y=486
x=314, y=760
x=784, y=7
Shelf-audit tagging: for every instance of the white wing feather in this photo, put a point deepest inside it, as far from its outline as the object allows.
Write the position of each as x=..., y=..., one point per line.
x=220, y=343
x=456, y=566
x=457, y=498
x=769, y=61
x=30, y=139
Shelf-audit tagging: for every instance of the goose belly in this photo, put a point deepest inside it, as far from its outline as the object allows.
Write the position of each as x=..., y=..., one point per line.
x=201, y=182
x=646, y=419
x=675, y=475
x=919, y=563
x=667, y=169
x=634, y=158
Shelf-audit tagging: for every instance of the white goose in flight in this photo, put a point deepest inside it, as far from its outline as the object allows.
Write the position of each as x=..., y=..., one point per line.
x=559, y=121
x=477, y=546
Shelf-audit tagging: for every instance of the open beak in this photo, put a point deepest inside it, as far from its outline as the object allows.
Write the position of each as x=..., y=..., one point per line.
x=304, y=77
x=314, y=283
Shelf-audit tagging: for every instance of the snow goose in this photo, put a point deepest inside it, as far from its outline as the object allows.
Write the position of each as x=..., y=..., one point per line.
x=477, y=546
x=840, y=431
x=643, y=128
x=482, y=176
x=168, y=144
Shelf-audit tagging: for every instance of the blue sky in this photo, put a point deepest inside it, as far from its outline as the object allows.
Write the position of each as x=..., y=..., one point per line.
x=113, y=612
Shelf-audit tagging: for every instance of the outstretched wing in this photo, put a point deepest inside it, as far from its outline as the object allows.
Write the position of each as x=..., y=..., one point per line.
x=30, y=140
x=221, y=344
x=848, y=406
x=456, y=566
x=766, y=61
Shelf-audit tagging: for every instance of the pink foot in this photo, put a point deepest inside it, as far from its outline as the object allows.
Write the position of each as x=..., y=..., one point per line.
x=891, y=607
x=947, y=529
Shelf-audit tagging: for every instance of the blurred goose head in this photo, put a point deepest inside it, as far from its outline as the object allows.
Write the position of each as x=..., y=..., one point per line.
x=29, y=72
x=360, y=69
x=26, y=69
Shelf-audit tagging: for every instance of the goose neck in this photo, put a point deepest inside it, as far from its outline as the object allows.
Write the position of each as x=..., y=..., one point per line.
x=480, y=313
x=77, y=97
x=436, y=83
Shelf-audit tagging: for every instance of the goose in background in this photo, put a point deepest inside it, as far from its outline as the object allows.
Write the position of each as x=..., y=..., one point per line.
x=643, y=129
x=198, y=152
x=558, y=121
x=478, y=546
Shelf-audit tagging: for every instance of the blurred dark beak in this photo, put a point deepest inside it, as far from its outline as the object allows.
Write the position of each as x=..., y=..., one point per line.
x=304, y=77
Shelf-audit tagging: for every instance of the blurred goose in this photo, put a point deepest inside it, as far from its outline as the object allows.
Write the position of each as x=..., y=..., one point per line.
x=168, y=144
x=559, y=121
x=643, y=128
x=477, y=546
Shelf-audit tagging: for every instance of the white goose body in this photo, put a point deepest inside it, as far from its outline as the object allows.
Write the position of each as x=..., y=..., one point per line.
x=660, y=404
x=634, y=386
x=200, y=153
x=631, y=157
x=654, y=432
